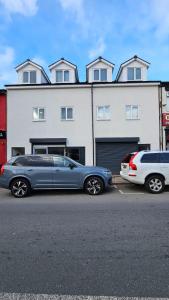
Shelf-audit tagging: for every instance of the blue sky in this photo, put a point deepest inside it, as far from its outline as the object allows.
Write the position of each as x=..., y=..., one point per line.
x=81, y=30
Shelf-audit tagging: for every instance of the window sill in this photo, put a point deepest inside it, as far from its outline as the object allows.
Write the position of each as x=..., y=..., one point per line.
x=63, y=81
x=134, y=80
x=103, y=119
x=133, y=119
x=39, y=120
x=67, y=120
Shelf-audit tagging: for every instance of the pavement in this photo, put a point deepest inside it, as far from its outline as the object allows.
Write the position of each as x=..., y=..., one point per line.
x=68, y=245
x=117, y=179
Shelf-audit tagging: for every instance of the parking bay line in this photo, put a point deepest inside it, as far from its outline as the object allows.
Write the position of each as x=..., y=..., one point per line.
x=13, y=296
x=123, y=193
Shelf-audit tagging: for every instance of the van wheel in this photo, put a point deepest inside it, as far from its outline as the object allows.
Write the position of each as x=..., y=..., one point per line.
x=94, y=185
x=20, y=188
x=155, y=184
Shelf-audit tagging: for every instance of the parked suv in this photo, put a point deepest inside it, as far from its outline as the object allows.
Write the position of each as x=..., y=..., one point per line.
x=150, y=168
x=32, y=172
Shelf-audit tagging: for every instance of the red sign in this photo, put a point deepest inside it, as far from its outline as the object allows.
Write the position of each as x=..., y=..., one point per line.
x=165, y=119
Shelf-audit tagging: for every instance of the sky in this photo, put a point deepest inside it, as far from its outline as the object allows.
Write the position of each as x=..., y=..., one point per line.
x=80, y=31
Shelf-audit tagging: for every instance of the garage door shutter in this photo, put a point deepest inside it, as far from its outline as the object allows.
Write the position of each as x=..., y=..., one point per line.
x=110, y=154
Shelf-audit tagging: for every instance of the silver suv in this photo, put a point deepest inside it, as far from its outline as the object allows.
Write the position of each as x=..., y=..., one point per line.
x=148, y=168
x=32, y=172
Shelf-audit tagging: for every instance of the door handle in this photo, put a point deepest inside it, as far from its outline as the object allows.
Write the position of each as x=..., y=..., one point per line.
x=29, y=170
x=57, y=170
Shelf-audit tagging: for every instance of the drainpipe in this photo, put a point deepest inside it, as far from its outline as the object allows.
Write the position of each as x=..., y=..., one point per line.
x=92, y=111
x=160, y=118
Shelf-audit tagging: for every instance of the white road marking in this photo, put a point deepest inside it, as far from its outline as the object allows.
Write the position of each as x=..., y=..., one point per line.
x=121, y=192
x=132, y=193
x=13, y=296
x=115, y=186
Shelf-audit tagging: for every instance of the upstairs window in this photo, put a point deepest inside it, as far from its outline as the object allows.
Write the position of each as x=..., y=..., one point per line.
x=38, y=114
x=132, y=112
x=66, y=113
x=133, y=73
x=29, y=77
x=100, y=74
x=96, y=75
x=103, y=112
x=62, y=76
x=130, y=73
x=103, y=74
x=138, y=73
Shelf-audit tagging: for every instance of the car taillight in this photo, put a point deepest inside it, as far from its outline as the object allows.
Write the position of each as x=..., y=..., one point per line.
x=2, y=170
x=133, y=166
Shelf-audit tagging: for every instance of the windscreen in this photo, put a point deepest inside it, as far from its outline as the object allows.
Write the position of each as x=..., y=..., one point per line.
x=127, y=158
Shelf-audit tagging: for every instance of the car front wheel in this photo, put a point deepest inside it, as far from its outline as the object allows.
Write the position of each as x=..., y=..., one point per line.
x=94, y=185
x=155, y=184
x=20, y=188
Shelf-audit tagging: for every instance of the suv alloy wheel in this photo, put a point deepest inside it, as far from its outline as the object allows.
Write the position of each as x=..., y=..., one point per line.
x=20, y=188
x=155, y=184
x=94, y=185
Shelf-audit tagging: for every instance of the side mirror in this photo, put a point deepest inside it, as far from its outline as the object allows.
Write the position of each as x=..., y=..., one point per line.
x=71, y=166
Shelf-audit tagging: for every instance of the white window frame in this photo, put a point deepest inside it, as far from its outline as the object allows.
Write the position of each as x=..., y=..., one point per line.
x=105, y=118
x=167, y=101
x=67, y=107
x=39, y=120
x=99, y=69
x=131, y=112
x=28, y=71
x=134, y=74
x=63, y=71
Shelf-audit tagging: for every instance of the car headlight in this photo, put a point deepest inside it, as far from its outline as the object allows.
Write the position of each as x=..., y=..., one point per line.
x=107, y=173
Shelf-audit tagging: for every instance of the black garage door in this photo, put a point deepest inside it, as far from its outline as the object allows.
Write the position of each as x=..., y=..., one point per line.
x=110, y=152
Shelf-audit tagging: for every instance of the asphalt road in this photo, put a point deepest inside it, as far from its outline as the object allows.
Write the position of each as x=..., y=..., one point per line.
x=116, y=244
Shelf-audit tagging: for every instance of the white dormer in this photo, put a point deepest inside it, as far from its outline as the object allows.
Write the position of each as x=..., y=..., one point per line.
x=134, y=69
x=99, y=70
x=63, y=71
x=31, y=73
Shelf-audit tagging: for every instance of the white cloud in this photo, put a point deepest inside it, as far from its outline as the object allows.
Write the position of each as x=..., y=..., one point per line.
x=23, y=7
x=40, y=61
x=7, y=73
x=76, y=9
x=98, y=50
x=159, y=15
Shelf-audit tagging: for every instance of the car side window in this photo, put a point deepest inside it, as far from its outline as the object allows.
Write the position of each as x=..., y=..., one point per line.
x=34, y=161
x=164, y=158
x=61, y=162
x=150, y=158
x=20, y=162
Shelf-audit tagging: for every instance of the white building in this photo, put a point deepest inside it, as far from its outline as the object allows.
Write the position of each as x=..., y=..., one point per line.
x=96, y=122
x=164, y=112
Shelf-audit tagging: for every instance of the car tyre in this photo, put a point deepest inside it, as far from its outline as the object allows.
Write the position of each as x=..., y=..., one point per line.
x=94, y=185
x=20, y=188
x=155, y=184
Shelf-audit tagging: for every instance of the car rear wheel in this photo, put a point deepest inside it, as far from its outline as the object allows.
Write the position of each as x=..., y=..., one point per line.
x=94, y=185
x=20, y=188
x=155, y=184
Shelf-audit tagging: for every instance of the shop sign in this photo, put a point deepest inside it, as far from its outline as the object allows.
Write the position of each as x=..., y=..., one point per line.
x=165, y=119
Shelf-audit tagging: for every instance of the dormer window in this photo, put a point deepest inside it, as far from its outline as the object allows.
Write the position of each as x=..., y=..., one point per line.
x=133, y=73
x=62, y=76
x=100, y=74
x=29, y=77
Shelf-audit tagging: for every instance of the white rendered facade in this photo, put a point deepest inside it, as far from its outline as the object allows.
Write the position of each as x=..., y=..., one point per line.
x=92, y=118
